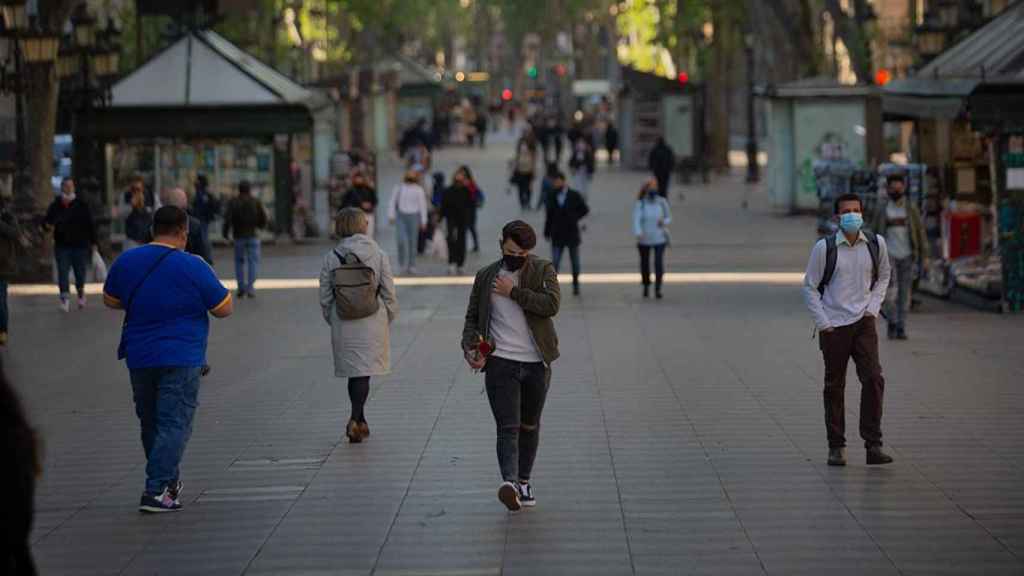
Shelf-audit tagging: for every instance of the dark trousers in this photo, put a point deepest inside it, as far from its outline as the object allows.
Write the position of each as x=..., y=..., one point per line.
x=525, y=194
x=516, y=391
x=456, y=244
x=659, y=264
x=358, y=392
x=574, y=258
x=71, y=258
x=3, y=306
x=663, y=182
x=471, y=228
x=860, y=342
x=165, y=402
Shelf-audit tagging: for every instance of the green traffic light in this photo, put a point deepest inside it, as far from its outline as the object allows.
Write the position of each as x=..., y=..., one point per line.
x=532, y=72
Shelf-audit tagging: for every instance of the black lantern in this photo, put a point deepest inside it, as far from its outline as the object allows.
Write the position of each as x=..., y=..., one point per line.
x=15, y=15
x=84, y=26
x=39, y=47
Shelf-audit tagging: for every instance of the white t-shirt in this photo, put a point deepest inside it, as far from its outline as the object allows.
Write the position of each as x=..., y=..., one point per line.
x=511, y=333
x=897, y=235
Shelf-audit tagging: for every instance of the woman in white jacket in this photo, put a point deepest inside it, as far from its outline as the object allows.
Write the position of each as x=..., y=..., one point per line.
x=408, y=210
x=361, y=347
x=651, y=217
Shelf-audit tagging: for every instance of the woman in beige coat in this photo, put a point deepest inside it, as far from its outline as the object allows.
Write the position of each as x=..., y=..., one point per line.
x=361, y=347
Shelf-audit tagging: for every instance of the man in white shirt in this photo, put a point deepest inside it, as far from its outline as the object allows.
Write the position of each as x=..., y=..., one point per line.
x=845, y=299
x=900, y=223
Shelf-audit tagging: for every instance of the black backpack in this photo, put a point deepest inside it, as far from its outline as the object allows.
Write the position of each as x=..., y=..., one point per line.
x=832, y=253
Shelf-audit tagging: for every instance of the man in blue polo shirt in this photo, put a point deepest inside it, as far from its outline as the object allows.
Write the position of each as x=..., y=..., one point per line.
x=167, y=296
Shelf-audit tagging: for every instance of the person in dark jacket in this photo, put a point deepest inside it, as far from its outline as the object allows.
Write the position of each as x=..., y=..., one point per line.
x=566, y=207
x=205, y=208
x=456, y=206
x=20, y=449
x=611, y=141
x=10, y=237
x=363, y=196
x=662, y=161
x=476, y=195
x=245, y=218
x=583, y=164
x=139, y=222
x=74, y=235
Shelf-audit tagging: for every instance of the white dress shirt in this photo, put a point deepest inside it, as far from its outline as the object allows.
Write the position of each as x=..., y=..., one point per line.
x=408, y=199
x=848, y=296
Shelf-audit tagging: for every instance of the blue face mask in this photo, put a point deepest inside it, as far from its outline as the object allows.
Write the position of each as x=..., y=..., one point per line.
x=851, y=222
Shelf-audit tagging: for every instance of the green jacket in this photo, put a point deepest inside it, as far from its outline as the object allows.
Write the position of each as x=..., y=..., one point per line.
x=537, y=294
x=918, y=236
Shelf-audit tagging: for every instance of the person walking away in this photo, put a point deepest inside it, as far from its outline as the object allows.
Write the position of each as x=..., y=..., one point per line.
x=74, y=235
x=139, y=222
x=196, y=245
x=481, y=126
x=363, y=196
x=10, y=242
x=661, y=161
x=167, y=297
x=611, y=141
x=651, y=217
x=206, y=208
x=408, y=211
x=900, y=223
x=456, y=207
x=566, y=207
x=556, y=133
x=361, y=345
x=582, y=165
x=547, y=185
x=524, y=165
x=509, y=334
x=844, y=287
x=477, y=197
x=19, y=445
x=245, y=218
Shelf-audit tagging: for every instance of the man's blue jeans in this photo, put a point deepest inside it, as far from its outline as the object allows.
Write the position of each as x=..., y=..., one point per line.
x=165, y=402
x=247, y=251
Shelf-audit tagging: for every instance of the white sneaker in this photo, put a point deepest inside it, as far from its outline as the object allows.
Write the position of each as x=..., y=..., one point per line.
x=65, y=306
x=452, y=270
x=81, y=302
x=411, y=271
x=509, y=496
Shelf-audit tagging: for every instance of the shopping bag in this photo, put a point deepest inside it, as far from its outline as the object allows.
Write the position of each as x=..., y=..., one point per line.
x=99, y=267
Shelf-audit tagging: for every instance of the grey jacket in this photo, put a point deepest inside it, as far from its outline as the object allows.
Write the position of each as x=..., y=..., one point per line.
x=361, y=347
x=538, y=295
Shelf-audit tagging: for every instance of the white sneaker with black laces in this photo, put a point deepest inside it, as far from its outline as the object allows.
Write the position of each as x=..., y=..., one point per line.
x=509, y=496
x=526, y=497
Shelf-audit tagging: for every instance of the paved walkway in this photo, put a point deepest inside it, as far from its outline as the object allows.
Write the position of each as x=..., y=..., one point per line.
x=682, y=436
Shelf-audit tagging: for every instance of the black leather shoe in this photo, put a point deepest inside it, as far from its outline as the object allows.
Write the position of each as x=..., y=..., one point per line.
x=877, y=457
x=892, y=332
x=901, y=334
x=837, y=456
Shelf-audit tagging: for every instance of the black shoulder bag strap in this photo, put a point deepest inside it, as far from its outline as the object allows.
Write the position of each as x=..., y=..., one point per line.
x=874, y=250
x=127, y=303
x=831, y=254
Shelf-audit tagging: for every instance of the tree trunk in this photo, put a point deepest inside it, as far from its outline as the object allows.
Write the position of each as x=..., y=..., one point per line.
x=719, y=85
x=851, y=30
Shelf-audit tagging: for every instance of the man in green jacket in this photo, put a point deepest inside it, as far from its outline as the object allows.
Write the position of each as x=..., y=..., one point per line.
x=510, y=335
x=899, y=222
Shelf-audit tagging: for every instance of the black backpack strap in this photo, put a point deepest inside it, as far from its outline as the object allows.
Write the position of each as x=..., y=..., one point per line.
x=831, y=254
x=875, y=251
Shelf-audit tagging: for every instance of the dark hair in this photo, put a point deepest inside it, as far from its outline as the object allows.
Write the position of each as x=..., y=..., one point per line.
x=558, y=175
x=465, y=170
x=849, y=197
x=65, y=180
x=521, y=233
x=895, y=178
x=552, y=170
x=169, y=220
x=201, y=180
x=244, y=187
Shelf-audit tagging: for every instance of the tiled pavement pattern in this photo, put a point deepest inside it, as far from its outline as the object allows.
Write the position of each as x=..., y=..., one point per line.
x=680, y=437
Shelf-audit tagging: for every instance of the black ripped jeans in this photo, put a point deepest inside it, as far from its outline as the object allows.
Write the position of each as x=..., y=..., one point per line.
x=516, y=391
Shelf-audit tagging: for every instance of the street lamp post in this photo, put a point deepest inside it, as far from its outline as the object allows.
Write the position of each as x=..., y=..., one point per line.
x=753, y=169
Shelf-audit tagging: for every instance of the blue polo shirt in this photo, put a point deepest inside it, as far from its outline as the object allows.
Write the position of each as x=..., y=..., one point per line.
x=168, y=324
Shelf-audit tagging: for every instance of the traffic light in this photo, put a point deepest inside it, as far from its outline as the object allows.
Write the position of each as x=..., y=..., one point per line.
x=506, y=94
x=531, y=71
x=560, y=69
x=683, y=78
x=882, y=77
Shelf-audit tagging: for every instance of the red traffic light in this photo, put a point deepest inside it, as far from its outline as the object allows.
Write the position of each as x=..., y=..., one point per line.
x=882, y=77
x=683, y=78
x=560, y=69
x=506, y=94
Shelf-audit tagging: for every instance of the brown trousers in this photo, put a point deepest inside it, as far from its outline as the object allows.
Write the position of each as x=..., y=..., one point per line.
x=859, y=341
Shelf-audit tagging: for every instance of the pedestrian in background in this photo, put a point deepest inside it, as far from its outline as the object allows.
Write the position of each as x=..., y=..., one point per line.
x=845, y=298
x=10, y=242
x=661, y=161
x=457, y=207
x=74, y=236
x=206, y=207
x=900, y=223
x=510, y=335
x=582, y=164
x=245, y=218
x=408, y=211
x=477, y=197
x=651, y=217
x=167, y=297
x=566, y=207
x=361, y=346
x=363, y=196
x=196, y=243
x=524, y=166
x=611, y=141
x=138, y=223
x=19, y=446
x=547, y=185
